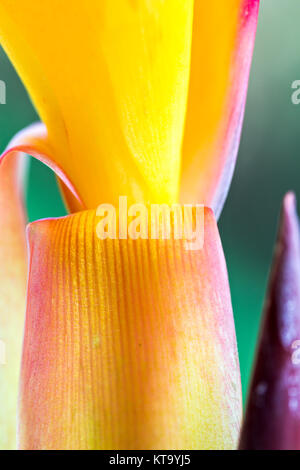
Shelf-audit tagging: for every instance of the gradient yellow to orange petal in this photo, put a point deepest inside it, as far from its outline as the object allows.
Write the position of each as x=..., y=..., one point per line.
x=129, y=344
x=13, y=275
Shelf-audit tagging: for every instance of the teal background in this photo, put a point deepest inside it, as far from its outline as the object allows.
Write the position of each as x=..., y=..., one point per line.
x=268, y=164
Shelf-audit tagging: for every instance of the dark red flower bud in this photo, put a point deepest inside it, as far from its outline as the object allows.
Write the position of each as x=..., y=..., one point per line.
x=272, y=418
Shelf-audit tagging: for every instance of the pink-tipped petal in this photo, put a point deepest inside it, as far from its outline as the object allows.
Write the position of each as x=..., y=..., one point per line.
x=223, y=42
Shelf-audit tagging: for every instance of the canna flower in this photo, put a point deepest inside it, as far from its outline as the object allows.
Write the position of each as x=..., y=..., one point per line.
x=130, y=344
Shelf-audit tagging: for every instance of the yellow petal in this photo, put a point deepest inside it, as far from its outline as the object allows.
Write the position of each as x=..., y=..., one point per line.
x=223, y=39
x=12, y=295
x=129, y=344
x=110, y=81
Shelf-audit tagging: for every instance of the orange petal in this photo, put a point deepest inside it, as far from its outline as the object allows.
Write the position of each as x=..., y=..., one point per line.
x=12, y=295
x=223, y=39
x=129, y=344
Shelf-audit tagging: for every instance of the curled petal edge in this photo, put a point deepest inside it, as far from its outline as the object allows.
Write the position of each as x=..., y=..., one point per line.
x=33, y=140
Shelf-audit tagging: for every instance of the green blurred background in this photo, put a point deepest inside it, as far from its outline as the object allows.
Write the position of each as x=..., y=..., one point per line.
x=268, y=164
